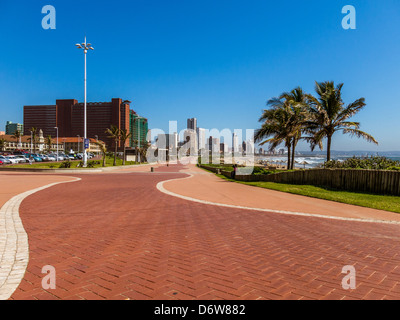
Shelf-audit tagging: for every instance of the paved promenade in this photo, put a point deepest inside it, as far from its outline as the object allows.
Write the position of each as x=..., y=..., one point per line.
x=206, y=186
x=116, y=236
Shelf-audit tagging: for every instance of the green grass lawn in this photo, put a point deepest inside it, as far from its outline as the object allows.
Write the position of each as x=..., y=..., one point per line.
x=374, y=201
x=74, y=164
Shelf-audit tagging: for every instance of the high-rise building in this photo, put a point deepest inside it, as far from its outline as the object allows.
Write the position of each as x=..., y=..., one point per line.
x=213, y=144
x=201, y=138
x=192, y=124
x=68, y=116
x=11, y=128
x=235, y=143
x=244, y=145
x=223, y=147
x=139, y=128
x=190, y=137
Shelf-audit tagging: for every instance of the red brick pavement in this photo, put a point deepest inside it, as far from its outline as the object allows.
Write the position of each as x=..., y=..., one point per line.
x=114, y=236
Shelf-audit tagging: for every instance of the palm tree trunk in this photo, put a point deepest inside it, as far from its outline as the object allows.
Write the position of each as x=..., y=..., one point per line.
x=328, y=156
x=115, y=153
x=293, y=152
x=288, y=160
x=123, y=160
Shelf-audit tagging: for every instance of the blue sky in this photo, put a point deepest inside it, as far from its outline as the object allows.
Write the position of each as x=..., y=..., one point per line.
x=216, y=60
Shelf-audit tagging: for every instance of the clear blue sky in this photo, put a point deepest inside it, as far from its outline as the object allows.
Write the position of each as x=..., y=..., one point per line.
x=216, y=60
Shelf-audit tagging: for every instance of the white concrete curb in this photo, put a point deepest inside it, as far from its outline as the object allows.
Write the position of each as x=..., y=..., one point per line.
x=160, y=187
x=14, y=246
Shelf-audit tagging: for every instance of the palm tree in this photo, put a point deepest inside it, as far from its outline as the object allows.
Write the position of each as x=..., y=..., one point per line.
x=2, y=144
x=143, y=151
x=284, y=121
x=136, y=142
x=276, y=126
x=114, y=133
x=103, y=149
x=124, y=135
x=329, y=115
x=298, y=102
x=49, y=142
x=17, y=136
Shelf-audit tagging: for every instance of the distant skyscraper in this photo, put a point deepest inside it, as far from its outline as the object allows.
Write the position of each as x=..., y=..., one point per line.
x=192, y=124
x=249, y=147
x=190, y=138
x=235, y=143
x=223, y=147
x=244, y=146
x=11, y=128
x=201, y=138
x=213, y=145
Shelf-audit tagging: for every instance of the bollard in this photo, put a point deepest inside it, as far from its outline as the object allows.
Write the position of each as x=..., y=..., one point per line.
x=152, y=169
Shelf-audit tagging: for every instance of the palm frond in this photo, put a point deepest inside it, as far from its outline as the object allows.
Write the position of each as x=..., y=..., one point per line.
x=360, y=134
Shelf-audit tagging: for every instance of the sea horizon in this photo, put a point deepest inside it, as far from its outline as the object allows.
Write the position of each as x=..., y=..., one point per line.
x=308, y=159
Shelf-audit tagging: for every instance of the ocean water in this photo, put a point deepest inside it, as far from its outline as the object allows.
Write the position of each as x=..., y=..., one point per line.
x=308, y=162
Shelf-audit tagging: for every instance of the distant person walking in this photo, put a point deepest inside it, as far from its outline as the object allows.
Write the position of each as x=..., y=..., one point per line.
x=234, y=171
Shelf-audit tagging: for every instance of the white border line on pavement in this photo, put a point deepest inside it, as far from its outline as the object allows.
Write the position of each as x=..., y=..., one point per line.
x=14, y=246
x=160, y=187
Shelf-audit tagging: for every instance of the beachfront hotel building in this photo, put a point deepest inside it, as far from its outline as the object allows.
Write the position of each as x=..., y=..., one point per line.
x=68, y=116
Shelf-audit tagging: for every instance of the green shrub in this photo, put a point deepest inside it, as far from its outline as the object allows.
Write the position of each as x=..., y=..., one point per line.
x=261, y=170
x=372, y=163
x=92, y=164
x=65, y=164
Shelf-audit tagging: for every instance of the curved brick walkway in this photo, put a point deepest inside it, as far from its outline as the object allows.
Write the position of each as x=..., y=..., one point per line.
x=14, y=252
x=207, y=187
x=115, y=236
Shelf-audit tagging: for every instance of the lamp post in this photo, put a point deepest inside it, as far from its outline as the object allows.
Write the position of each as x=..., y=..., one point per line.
x=31, y=140
x=79, y=138
x=85, y=46
x=57, y=143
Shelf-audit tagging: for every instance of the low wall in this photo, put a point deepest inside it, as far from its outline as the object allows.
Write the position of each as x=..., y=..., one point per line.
x=373, y=181
x=358, y=180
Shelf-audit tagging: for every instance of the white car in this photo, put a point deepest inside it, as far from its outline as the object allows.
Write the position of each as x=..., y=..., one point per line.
x=21, y=159
x=13, y=159
x=51, y=157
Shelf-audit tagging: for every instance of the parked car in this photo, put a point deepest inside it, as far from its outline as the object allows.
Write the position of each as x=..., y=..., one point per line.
x=51, y=157
x=43, y=157
x=13, y=159
x=34, y=156
x=22, y=159
x=5, y=160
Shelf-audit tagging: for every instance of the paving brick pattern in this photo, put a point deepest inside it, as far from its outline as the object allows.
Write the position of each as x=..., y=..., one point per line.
x=118, y=237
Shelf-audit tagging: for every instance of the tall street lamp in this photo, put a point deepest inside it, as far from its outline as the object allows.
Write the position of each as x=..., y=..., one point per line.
x=85, y=46
x=57, y=143
x=79, y=140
